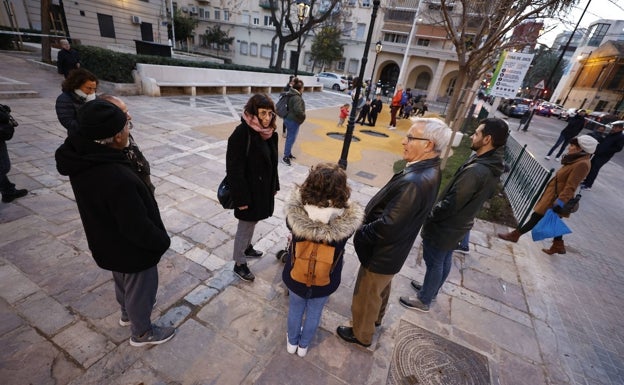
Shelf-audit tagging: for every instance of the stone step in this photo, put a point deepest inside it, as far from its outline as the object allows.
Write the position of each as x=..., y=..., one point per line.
x=13, y=85
x=18, y=94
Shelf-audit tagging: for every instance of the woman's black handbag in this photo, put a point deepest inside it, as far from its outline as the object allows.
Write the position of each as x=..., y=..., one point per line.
x=225, y=195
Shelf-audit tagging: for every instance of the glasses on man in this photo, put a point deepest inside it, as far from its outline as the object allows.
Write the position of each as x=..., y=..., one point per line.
x=129, y=124
x=410, y=138
x=266, y=114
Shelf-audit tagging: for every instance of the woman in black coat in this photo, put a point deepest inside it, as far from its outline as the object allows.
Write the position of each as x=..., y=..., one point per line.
x=251, y=165
x=78, y=88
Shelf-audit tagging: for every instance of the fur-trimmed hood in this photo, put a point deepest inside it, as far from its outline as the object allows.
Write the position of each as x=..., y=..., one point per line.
x=338, y=228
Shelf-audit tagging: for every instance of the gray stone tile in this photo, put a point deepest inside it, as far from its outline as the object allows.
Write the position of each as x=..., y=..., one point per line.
x=14, y=285
x=85, y=345
x=57, y=316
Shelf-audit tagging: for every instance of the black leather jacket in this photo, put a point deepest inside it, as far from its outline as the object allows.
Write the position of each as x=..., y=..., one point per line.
x=394, y=216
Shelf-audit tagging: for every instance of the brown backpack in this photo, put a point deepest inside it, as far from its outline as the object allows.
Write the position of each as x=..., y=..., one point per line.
x=312, y=263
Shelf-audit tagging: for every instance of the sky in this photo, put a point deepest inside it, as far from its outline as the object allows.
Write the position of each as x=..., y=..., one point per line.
x=598, y=9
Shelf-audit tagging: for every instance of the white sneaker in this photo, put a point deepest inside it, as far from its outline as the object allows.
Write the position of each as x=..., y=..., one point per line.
x=547, y=157
x=290, y=348
x=301, y=352
x=392, y=128
x=557, y=159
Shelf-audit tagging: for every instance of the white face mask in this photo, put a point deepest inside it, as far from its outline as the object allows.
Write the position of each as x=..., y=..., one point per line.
x=86, y=97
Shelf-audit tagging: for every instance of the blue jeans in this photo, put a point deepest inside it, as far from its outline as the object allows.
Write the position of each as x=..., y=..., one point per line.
x=438, y=264
x=292, y=129
x=465, y=242
x=300, y=330
x=560, y=141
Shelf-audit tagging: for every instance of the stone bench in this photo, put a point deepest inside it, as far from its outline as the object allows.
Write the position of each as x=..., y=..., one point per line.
x=158, y=80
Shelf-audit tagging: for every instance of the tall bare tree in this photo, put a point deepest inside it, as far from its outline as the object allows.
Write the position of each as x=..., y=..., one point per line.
x=286, y=22
x=477, y=29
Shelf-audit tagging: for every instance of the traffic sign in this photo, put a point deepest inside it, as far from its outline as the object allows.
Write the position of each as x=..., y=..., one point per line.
x=540, y=85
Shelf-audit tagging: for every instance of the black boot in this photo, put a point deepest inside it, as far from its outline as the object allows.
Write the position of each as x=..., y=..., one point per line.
x=10, y=196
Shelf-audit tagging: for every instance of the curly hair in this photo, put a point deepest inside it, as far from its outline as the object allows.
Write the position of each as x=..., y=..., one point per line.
x=76, y=78
x=326, y=186
x=261, y=101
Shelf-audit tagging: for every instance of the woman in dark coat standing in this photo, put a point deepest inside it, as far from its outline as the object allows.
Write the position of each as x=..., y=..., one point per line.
x=79, y=88
x=251, y=164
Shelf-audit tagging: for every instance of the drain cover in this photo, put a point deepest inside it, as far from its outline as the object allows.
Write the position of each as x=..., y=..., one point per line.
x=365, y=174
x=341, y=136
x=374, y=133
x=424, y=358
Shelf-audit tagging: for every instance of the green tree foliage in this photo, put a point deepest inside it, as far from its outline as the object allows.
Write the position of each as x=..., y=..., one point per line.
x=326, y=46
x=184, y=26
x=215, y=35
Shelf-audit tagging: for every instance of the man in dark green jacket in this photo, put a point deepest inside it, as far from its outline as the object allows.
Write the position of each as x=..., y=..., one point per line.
x=392, y=220
x=453, y=215
x=294, y=118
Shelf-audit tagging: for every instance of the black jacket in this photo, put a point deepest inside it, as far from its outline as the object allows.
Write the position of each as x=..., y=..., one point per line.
x=253, y=176
x=335, y=233
x=67, y=60
x=473, y=184
x=67, y=105
x=612, y=143
x=393, y=217
x=119, y=213
x=574, y=127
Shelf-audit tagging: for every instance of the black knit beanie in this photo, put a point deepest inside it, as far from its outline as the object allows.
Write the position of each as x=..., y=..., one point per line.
x=99, y=119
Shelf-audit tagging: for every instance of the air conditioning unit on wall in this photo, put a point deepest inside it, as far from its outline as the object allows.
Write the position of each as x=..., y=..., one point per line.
x=135, y=19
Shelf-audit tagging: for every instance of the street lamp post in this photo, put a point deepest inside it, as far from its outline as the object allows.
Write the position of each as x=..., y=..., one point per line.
x=349, y=134
x=302, y=12
x=370, y=89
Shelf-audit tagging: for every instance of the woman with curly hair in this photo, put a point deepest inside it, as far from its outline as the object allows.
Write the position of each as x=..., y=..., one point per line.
x=78, y=88
x=251, y=165
x=319, y=211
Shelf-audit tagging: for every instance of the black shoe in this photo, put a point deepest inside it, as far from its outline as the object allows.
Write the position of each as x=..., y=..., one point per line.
x=252, y=253
x=346, y=333
x=291, y=156
x=462, y=249
x=12, y=195
x=287, y=160
x=418, y=287
x=413, y=303
x=243, y=272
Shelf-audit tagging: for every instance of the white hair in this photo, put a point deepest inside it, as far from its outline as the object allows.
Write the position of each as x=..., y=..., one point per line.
x=436, y=131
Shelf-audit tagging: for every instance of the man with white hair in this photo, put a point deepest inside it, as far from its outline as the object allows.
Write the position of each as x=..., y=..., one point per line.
x=67, y=58
x=393, y=218
x=453, y=215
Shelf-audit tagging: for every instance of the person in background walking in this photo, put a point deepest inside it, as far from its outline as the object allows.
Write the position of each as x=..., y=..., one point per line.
x=453, y=215
x=364, y=112
x=120, y=215
x=395, y=105
x=571, y=130
x=612, y=143
x=79, y=88
x=392, y=220
x=560, y=189
x=68, y=59
x=376, y=106
x=319, y=211
x=344, y=113
x=7, y=129
x=294, y=118
x=251, y=164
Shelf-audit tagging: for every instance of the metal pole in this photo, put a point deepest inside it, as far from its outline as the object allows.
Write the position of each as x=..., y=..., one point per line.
x=372, y=80
x=298, y=48
x=172, y=25
x=403, y=68
x=349, y=134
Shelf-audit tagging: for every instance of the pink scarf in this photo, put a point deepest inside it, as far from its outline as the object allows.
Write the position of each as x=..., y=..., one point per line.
x=252, y=121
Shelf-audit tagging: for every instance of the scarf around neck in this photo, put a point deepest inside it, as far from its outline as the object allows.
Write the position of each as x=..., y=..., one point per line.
x=252, y=121
x=570, y=158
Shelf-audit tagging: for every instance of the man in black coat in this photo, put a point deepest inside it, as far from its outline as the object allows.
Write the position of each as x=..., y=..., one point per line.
x=608, y=146
x=67, y=58
x=376, y=106
x=119, y=213
x=571, y=130
x=392, y=220
x=453, y=215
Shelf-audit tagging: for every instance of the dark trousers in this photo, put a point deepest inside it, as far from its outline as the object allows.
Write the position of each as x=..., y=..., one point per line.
x=393, y=113
x=370, y=299
x=372, y=118
x=560, y=141
x=596, y=163
x=5, y=166
x=136, y=294
x=530, y=224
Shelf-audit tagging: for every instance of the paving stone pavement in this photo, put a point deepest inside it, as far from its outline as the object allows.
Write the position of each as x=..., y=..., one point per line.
x=538, y=319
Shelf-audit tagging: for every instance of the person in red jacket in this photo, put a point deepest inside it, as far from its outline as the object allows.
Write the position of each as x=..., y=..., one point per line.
x=395, y=106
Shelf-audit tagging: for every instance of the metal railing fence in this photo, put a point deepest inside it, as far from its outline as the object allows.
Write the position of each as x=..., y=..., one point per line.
x=525, y=181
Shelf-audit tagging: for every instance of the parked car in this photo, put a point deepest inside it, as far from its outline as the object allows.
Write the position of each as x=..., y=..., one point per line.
x=599, y=118
x=544, y=109
x=515, y=107
x=556, y=110
x=332, y=80
x=569, y=113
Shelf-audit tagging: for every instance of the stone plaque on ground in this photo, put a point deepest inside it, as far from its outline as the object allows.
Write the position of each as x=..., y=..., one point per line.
x=424, y=358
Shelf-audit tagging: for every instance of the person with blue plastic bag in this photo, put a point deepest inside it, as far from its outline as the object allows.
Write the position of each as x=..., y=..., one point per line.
x=560, y=189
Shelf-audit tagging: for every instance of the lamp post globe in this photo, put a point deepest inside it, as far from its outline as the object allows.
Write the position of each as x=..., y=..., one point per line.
x=303, y=10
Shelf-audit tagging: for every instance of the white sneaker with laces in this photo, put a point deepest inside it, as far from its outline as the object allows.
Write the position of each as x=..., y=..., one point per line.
x=547, y=157
x=292, y=349
x=301, y=352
